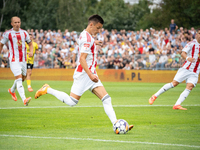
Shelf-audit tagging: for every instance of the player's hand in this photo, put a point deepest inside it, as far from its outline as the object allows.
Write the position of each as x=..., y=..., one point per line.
x=198, y=57
x=94, y=78
x=73, y=65
x=30, y=54
x=100, y=43
x=190, y=59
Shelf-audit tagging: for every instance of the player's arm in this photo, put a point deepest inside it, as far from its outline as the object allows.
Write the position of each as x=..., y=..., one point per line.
x=84, y=65
x=73, y=60
x=31, y=49
x=184, y=56
x=30, y=44
x=1, y=47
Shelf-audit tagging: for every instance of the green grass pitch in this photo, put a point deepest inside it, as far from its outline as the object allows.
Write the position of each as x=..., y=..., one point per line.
x=47, y=123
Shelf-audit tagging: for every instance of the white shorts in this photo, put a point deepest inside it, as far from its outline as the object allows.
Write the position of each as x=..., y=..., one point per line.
x=18, y=68
x=84, y=83
x=184, y=74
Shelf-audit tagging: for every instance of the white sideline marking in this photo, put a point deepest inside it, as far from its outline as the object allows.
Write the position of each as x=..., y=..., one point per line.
x=100, y=140
x=94, y=106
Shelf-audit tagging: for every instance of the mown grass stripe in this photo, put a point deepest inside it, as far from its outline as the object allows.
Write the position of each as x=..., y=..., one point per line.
x=100, y=140
x=95, y=106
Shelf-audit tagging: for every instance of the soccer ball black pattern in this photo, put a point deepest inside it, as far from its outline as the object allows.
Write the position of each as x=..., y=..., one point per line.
x=121, y=126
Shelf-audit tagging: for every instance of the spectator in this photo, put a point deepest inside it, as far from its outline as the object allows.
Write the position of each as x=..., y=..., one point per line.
x=48, y=62
x=41, y=34
x=137, y=35
x=140, y=48
x=151, y=49
x=4, y=62
x=36, y=61
x=127, y=66
x=145, y=48
x=110, y=51
x=193, y=32
x=169, y=62
x=161, y=63
x=110, y=62
x=148, y=64
x=152, y=57
x=174, y=64
x=140, y=64
x=184, y=42
x=172, y=26
x=117, y=62
x=177, y=56
x=57, y=57
x=100, y=63
x=133, y=64
x=41, y=62
x=67, y=62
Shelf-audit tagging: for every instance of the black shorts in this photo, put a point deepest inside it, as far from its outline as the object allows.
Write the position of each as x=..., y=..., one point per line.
x=29, y=66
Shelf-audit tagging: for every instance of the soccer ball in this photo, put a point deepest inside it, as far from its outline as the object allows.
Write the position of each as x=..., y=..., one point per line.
x=121, y=127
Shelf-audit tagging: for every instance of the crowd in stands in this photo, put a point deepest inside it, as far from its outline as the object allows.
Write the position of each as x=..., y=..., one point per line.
x=143, y=49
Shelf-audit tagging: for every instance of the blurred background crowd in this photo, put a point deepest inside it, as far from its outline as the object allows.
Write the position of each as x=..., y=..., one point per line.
x=142, y=49
x=134, y=34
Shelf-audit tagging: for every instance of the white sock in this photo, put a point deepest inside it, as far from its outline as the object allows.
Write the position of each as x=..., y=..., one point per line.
x=20, y=89
x=108, y=108
x=63, y=97
x=13, y=88
x=164, y=89
x=183, y=96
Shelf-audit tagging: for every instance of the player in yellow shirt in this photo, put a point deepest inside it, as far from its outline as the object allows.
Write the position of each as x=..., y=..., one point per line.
x=30, y=62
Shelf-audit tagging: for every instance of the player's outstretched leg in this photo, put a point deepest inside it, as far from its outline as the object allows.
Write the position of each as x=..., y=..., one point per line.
x=152, y=99
x=14, y=97
x=62, y=96
x=42, y=91
x=162, y=90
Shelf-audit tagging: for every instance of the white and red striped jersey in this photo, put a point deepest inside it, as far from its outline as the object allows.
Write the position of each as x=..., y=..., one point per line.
x=193, y=50
x=86, y=45
x=16, y=41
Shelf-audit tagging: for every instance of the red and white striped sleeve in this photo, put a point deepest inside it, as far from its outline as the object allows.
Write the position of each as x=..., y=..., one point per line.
x=85, y=43
x=5, y=38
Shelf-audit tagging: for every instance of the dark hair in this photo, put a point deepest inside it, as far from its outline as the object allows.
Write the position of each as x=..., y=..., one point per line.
x=198, y=29
x=96, y=18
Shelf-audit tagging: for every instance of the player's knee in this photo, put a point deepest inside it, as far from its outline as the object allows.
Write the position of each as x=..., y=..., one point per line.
x=19, y=80
x=75, y=101
x=175, y=83
x=106, y=98
x=23, y=78
x=190, y=86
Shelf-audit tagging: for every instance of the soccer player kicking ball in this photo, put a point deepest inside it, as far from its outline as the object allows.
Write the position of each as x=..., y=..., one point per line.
x=16, y=38
x=189, y=72
x=85, y=76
